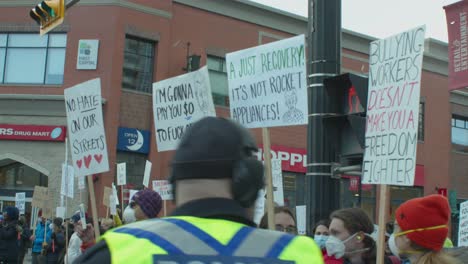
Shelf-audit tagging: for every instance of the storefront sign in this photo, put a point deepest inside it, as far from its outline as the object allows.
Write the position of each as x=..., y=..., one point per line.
x=292, y=159
x=32, y=132
x=133, y=140
x=87, y=54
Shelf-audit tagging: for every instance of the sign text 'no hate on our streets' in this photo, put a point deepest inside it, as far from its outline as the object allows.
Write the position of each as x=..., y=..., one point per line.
x=86, y=128
x=177, y=103
x=393, y=108
x=267, y=84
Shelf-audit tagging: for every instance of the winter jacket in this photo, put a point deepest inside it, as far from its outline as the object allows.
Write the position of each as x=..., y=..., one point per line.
x=55, y=248
x=9, y=247
x=74, y=249
x=37, y=245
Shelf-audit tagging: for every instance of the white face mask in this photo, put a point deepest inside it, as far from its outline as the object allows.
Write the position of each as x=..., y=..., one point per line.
x=129, y=215
x=336, y=247
x=51, y=226
x=393, y=247
x=321, y=240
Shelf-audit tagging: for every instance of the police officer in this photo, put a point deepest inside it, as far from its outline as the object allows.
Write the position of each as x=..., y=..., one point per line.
x=215, y=179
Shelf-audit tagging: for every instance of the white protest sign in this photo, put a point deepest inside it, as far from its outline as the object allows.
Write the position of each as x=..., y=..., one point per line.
x=83, y=216
x=131, y=193
x=277, y=174
x=86, y=128
x=177, y=103
x=267, y=84
x=164, y=188
x=81, y=182
x=146, y=177
x=112, y=204
x=20, y=202
x=114, y=192
x=463, y=225
x=259, y=207
x=395, y=65
x=68, y=180
x=301, y=219
x=60, y=212
x=121, y=174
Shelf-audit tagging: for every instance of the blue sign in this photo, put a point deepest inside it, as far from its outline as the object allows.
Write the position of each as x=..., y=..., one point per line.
x=133, y=140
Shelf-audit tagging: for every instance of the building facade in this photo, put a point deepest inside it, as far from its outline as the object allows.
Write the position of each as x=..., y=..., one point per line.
x=144, y=41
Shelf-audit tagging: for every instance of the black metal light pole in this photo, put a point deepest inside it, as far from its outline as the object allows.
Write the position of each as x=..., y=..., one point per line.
x=324, y=58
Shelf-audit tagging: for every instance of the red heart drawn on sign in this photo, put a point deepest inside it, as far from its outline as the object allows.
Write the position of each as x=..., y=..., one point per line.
x=79, y=163
x=98, y=158
x=87, y=161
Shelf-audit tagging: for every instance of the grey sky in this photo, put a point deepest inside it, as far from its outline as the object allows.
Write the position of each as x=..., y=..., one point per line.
x=382, y=18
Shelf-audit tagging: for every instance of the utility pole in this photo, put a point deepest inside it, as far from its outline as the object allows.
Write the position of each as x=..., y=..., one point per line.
x=324, y=61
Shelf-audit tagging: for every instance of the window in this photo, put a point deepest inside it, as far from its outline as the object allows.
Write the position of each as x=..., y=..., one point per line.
x=218, y=80
x=138, y=64
x=460, y=130
x=422, y=108
x=135, y=167
x=32, y=59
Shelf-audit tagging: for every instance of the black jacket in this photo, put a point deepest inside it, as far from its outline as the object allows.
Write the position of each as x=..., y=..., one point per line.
x=9, y=244
x=215, y=208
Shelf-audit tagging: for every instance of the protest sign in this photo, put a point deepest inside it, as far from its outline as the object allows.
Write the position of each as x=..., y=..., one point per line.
x=395, y=65
x=40, y=195
x=259, y=206
x=20, y=202
x=114, y=192
x=112, y=204
x=277, y=174
x=146, y=177
x=68, y=179
x=48, y=210
x=177, y=103
x=105, y=197
x=164, y=188
x=267, y=84
x=463, y=225
x=60, y=212
x=301, y=219
x=86, y=128
x=83, y=216
x=121, y=174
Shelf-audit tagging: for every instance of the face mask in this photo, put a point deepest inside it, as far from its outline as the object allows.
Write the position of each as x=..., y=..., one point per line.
x=321, y=240
x=129, y=215
x=393, y=247
x=336, y=247
x=51, y=226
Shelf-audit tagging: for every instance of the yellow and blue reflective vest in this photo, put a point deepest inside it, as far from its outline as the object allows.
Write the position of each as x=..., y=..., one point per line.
x=185, y=239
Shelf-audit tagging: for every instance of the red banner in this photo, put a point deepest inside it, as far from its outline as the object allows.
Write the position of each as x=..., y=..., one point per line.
x=32, y=132
x=457, y=15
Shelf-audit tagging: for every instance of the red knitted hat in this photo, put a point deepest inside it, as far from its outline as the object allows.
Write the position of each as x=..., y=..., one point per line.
x=432, y=211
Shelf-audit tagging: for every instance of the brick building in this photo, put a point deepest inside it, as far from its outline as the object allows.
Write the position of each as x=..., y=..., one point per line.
x=143, y=41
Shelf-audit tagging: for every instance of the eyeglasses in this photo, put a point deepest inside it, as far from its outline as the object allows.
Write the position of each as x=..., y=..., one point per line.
x=289, y=229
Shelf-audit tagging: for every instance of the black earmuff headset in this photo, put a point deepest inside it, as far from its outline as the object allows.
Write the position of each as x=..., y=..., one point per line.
x=247, y=171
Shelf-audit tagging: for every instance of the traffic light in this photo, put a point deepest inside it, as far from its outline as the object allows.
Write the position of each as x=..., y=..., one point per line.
x=346, y=130
x=48, y=14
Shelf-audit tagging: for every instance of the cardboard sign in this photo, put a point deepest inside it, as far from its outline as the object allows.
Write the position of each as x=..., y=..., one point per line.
x=177, y=103
x=146, y=177
x=48, y=211
x=301, y=219
x=20, y=202
x=68, y=180
x=164, y=188
x=463, y=225
x=121, y=174
x=106, y=195
x=267, y=84
x=40, y=195
x=395, y=66
x=86, y=128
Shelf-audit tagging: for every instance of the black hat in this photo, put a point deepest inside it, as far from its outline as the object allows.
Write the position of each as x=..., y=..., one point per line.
x=209, y=149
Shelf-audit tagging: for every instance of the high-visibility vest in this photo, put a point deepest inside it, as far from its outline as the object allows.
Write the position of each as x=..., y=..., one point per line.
x=186, y=239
